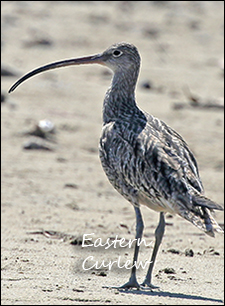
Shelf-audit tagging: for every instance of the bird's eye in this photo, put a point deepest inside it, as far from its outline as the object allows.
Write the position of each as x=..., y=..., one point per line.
x=117, y=53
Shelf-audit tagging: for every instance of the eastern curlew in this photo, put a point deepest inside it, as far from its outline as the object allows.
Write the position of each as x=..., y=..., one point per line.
x=144, y=159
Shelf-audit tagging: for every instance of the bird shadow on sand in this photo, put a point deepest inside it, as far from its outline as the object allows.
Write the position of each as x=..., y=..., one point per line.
x=168, y=294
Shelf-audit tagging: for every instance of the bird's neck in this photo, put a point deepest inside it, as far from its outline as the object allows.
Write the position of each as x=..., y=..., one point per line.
x=120, y=98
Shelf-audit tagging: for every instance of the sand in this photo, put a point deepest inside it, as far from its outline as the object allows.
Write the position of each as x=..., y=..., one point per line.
x=65, y=191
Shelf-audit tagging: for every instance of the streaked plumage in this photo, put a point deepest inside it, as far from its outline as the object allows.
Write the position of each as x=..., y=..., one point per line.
x=144, y=159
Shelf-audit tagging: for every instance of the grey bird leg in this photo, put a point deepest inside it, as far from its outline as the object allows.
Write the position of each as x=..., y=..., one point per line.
x=132, y=283
x=158, y=239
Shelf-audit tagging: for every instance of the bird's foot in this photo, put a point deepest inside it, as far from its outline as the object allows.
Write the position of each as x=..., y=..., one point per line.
x=132, y=283
x=147, y=284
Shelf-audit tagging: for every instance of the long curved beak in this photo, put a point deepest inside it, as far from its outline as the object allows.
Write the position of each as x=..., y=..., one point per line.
x=94, y=59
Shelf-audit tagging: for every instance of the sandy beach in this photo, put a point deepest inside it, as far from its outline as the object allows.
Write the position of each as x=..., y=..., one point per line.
x=54, y=190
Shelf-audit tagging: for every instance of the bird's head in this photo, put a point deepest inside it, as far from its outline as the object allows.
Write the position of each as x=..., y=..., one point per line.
x=119, y=57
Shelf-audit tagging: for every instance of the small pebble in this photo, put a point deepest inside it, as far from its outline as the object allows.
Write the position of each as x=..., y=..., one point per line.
x=169, y=271
x=146, y=85
x=30, y=145
x=78, y=290
x=102, y=273
x=189, y=252
x=173, y=251
x=71, y=185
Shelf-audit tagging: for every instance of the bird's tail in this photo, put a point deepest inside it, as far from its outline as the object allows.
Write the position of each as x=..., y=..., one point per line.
x=200, y=214
x=201, y=200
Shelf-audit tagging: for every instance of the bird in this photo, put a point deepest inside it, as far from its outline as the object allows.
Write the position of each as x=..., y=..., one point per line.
x=145, y=160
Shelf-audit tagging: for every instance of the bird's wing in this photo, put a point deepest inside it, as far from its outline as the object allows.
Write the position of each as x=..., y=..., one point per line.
x=168, y=153
x=174, y=173
x=166, y=156
x=162, y=161
x=149, y=163
x=151, y=157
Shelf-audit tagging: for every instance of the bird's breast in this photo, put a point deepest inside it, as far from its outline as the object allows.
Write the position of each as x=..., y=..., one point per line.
x=121, y=158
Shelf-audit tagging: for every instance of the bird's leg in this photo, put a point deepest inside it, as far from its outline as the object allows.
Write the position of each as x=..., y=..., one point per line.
x=158, y=239
x=132, y=283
